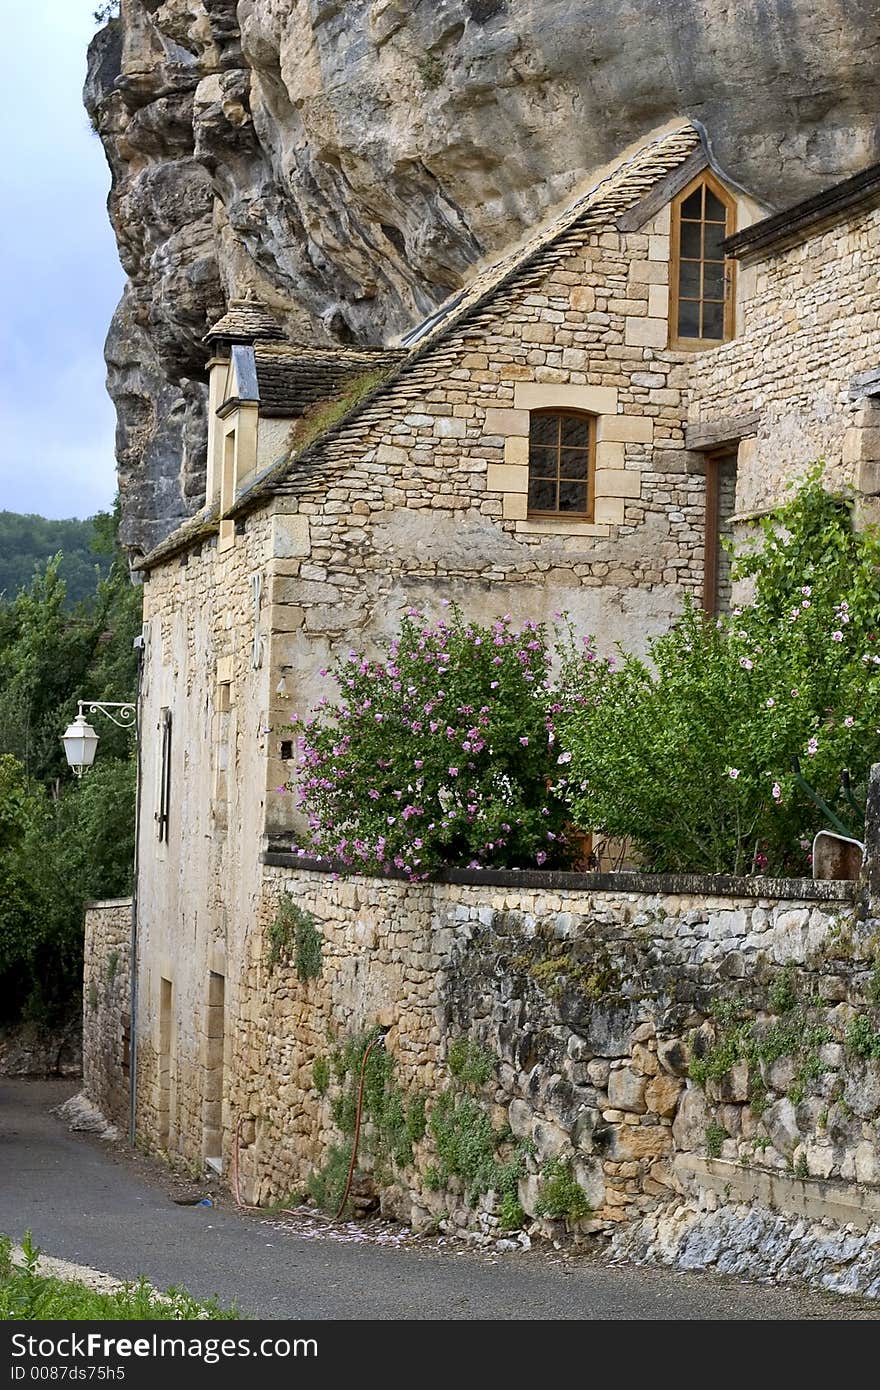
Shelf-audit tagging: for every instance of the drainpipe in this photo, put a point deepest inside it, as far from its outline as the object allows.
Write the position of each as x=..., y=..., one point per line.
x=140, y=646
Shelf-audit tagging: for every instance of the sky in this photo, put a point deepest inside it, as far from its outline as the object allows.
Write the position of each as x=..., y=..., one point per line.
x=62, y=276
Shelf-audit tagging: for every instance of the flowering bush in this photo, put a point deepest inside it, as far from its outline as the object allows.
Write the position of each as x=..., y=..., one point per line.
x=691, y=753
x=439, y=753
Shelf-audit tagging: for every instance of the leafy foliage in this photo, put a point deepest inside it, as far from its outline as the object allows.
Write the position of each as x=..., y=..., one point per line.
x=690, y=753
x=561, y=1196
x=29, y=1296
x=67, y=841
x=294, y=939
x=470, y=1150
x=391, y=1122
x=27, y=542
x=438, y=754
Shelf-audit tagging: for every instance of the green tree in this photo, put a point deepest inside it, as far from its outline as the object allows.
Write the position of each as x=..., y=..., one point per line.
x=28, y=541
x=690, y=754
x=69, y=840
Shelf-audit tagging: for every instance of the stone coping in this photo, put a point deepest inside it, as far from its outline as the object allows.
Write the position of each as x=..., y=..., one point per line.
x=95, y=903
x=554, y=880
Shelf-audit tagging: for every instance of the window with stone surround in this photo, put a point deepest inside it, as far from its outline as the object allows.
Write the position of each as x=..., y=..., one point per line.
x=701, y=280
x=562, y=447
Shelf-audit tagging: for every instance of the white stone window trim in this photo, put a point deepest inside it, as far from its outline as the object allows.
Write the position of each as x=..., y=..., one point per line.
x=615, y=484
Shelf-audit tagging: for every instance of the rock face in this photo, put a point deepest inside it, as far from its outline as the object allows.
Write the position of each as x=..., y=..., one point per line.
x=351, y=159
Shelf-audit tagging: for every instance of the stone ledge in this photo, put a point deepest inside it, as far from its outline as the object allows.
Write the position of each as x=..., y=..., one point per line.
x=816, y=1199
x=93, y=905
x=702, y=885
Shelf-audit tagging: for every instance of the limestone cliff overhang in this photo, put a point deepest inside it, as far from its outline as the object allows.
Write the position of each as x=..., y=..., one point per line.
x=620, y=188
x=796, y=224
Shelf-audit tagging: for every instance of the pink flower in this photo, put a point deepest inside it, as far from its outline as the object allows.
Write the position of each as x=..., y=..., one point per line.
x=776, y=792
x=771, y=702
x=373, y=794
x=848, y=722
x=733, y=773
x=564, y=758
x=813, y=746
x=837, y=636
x=541, y=857
x=453, y=771
x=745, y=663
x=524, y=742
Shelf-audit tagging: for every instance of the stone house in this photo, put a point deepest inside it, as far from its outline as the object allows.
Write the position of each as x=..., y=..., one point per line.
x=573, y=431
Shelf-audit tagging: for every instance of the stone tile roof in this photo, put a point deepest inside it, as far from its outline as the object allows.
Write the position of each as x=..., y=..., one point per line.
x=795, y=224
x=291, y=379
x=245, y=321
x=616, y=192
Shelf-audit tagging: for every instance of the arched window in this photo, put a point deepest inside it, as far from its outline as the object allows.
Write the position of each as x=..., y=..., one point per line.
x=700, y=280
x=561, y=454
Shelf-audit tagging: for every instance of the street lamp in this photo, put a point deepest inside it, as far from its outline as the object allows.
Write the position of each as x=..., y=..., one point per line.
x=79, y=738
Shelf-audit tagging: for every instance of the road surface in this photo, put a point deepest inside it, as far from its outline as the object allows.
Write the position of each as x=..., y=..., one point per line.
x=88, y=1202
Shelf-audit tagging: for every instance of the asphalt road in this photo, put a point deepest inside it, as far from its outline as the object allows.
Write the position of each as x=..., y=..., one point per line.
x=87, y=1202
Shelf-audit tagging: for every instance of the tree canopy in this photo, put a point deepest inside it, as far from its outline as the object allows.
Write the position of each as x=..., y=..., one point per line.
x=27, y=542
x=62, y=841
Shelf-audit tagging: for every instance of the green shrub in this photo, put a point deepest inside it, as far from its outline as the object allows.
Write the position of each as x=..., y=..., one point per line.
x=321, y=1075
x=862, y=1038
x=561, y=1196
x=689, y=753
x=715, y=1137
x=471, y=1063
x=437, y=754
x=294, y=939
x=29, y=1296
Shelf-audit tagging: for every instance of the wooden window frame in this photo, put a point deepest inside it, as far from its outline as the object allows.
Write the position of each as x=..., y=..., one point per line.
x=591, y=420
x=699, y=344
x=712, y=533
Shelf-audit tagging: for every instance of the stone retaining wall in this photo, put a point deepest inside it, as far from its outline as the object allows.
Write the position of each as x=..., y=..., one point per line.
x=599, y=1006
x=654, y=1043
x=107, y=1006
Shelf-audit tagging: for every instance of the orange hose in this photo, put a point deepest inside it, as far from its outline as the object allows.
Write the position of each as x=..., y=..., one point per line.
x=357, y=1126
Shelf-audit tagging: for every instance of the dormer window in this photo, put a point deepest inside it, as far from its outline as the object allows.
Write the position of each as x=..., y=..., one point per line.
x=700, y=280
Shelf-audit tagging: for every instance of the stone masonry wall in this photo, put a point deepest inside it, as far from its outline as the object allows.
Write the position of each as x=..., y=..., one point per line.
x=207, y=662
x=107, y=1007
x=808, y=326
x=599, y=1008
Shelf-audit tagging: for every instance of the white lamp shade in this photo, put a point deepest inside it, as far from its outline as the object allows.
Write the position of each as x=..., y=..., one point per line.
x=80, y=742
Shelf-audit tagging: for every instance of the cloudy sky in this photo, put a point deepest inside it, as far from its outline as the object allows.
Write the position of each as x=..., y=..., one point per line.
x=61, y=274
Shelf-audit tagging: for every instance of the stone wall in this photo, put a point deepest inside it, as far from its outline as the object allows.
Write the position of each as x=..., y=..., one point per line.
x=26, y=1049
x=808, y=326
x=599, y=1007
x=107, y=1007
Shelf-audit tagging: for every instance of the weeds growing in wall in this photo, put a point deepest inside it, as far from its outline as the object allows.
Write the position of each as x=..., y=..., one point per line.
x=293, y=939
x=471, y=1152
x=561, y=1197
x=391, y=1123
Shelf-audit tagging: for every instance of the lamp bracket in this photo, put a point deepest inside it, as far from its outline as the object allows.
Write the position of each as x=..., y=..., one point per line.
x=125, y=717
